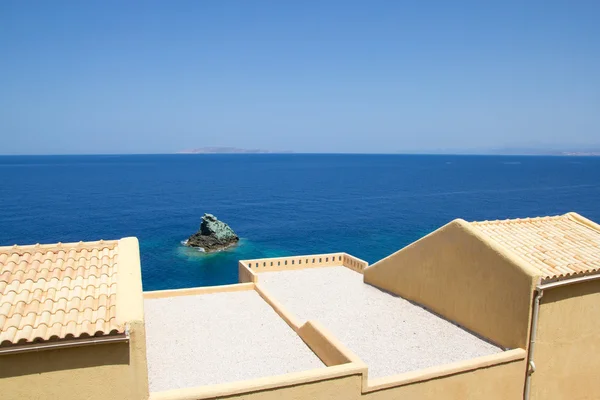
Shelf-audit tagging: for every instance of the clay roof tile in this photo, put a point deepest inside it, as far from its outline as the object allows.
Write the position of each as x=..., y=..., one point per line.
x=59, y=291
x=559, y=247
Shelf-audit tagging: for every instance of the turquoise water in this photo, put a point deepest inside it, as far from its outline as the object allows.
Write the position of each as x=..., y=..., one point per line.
x=366, y=205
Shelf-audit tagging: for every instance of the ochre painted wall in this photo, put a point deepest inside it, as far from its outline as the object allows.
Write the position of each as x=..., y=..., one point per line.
x=138, y=367
x=567, y=350
x=498, y=382
x=100, y=372
x=501, y=382
x=345, y=388
x=457, y=274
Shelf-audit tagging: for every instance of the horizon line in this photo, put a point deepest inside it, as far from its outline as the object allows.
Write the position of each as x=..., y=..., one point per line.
x=541, y=154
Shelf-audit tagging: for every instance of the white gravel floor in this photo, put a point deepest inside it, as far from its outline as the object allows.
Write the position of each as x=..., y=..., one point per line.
x=390, y=334
x=217, y=338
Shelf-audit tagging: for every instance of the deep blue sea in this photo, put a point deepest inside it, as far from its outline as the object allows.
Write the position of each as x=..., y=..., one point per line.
x=366, y=205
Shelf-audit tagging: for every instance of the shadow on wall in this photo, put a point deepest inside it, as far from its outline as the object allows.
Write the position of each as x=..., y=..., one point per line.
x=573, y=291
x=38, y=362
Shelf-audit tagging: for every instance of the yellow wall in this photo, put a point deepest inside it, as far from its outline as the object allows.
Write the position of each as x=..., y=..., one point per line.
x=567, y=350
x=344, y=388
x=296, y=262
x=89, y=372
x=456, y=274
x=499, y=382
x=245, y=275
x=248, y=270
x=503, y=381
x=323, y=345
x=138, y=364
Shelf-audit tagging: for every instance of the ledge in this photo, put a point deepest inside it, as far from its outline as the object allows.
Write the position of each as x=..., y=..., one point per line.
x=445, y=370
x=255, y=385
x=284, y=314
x=250, y=269
x=159, y=294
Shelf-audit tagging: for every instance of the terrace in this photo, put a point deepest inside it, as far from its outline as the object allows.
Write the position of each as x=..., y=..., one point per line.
x=300, y=320
x=390, y=334
x=220, y=337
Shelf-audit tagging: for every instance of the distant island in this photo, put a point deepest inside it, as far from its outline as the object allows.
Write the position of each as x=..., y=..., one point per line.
x=546, y=152
x=581, y=153
x=508, y=151
x=228, y=150
x=515, y=151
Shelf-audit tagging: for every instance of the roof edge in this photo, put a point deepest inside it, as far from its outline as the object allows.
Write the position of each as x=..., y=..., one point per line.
x=77, y=342
x=374, y=266
x=130, y=299
x=26, y=248
x=518, y=219
x=504, y=252
x=583, y=220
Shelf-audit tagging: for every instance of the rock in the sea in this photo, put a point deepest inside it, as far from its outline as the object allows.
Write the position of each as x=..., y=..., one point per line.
x=213, y=235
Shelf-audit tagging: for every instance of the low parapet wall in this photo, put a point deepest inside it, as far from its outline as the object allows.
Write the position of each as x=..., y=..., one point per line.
x=448, y=370
x=248, y=269
x=159, y=294
x=496, y=377
x=341, y=382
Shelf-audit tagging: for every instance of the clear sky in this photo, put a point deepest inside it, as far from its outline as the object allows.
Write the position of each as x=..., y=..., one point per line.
x=308, y=76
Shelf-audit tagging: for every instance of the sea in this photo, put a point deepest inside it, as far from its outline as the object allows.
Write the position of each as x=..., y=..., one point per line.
x=279, y=204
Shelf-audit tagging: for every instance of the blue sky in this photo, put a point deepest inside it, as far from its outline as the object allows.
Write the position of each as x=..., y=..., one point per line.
x=308, y=76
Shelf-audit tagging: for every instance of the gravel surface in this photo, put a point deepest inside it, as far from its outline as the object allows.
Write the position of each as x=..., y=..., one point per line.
x=390, y=334
x=216, y=338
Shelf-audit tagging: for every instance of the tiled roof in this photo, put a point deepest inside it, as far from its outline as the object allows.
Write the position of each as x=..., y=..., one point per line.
x=60, y=291
x=560, y=247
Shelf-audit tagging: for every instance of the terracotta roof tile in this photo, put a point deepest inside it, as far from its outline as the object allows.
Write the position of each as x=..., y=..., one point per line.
x=559, y=247
x=61, y=291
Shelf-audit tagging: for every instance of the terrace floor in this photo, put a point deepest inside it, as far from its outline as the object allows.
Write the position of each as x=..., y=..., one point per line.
x=390, y=334
x=205, y=339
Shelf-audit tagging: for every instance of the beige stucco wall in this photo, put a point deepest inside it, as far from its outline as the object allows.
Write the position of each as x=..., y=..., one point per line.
x=346, y=388
x=494, y=381
x=296, y=262
x=249, y=270
x=324, y=345
x=457, y=274
x=245, y=275
x=88, y=372
x=130, y=311
x=338, y=388
x=567, y=350
x=499, y=382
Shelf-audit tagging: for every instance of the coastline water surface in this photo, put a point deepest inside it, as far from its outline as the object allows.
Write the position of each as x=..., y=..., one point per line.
x=366, y=205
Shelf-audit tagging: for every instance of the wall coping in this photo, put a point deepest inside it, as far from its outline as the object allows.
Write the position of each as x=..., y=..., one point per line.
x=159, y=294
x=283, y=313
x=254, y=385
x=250, y=269
x=441, y=371
x=129, y=282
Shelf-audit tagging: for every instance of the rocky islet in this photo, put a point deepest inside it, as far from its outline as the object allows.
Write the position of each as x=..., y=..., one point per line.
x=213, y=235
